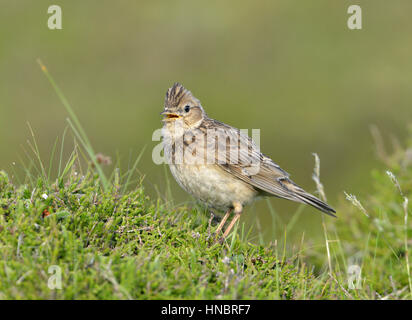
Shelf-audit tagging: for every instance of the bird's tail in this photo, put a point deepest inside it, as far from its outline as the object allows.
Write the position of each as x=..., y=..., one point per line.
x=300, y=195
x=315, y=202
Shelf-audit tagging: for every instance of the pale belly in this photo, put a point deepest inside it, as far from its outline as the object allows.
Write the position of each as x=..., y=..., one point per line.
x=212, y=185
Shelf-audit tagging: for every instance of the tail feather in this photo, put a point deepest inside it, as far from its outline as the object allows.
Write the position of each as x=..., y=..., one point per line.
x=315, y=202
x=300, y=195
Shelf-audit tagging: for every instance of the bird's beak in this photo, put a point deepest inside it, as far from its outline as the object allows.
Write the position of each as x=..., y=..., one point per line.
x=169, y=116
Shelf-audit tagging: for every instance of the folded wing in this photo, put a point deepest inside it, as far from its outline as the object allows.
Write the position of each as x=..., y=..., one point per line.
x=245, y=161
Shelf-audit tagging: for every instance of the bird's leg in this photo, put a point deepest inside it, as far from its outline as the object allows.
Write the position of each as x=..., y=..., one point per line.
x=222, y=223
x=238, y=210
x=232, y=223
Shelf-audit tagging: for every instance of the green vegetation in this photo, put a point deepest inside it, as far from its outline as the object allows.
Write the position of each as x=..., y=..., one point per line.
x=113, y=245
x=119, y=244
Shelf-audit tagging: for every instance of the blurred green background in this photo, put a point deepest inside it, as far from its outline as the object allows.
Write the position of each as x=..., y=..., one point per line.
x=290, y=68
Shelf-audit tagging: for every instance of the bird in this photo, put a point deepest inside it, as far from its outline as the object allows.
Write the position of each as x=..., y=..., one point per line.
x=220, y=165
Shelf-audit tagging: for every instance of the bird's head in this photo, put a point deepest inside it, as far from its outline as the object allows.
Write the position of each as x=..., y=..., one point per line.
x=181, y=105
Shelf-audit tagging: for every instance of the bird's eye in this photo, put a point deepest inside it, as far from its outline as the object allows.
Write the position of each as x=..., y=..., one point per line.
x=187, y=108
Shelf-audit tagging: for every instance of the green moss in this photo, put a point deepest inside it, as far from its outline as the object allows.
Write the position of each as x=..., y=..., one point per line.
x=126, y=246
x=110, y=245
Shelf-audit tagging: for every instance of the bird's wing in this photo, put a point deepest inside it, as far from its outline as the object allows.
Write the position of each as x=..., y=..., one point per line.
x=245, y=161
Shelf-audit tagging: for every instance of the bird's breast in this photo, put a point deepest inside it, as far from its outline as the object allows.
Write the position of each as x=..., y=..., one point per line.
x=212, y=185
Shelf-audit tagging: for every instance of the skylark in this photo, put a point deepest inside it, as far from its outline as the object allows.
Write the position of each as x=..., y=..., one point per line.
x=220, y=165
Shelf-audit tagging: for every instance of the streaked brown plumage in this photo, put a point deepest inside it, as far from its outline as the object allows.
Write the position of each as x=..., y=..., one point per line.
x=225, y=185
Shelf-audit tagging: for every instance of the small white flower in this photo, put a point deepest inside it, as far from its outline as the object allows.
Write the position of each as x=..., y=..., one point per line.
x=226, y=260
x=44, y=196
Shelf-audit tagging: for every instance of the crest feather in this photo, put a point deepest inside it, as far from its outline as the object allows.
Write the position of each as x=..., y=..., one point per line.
x=175, y=95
